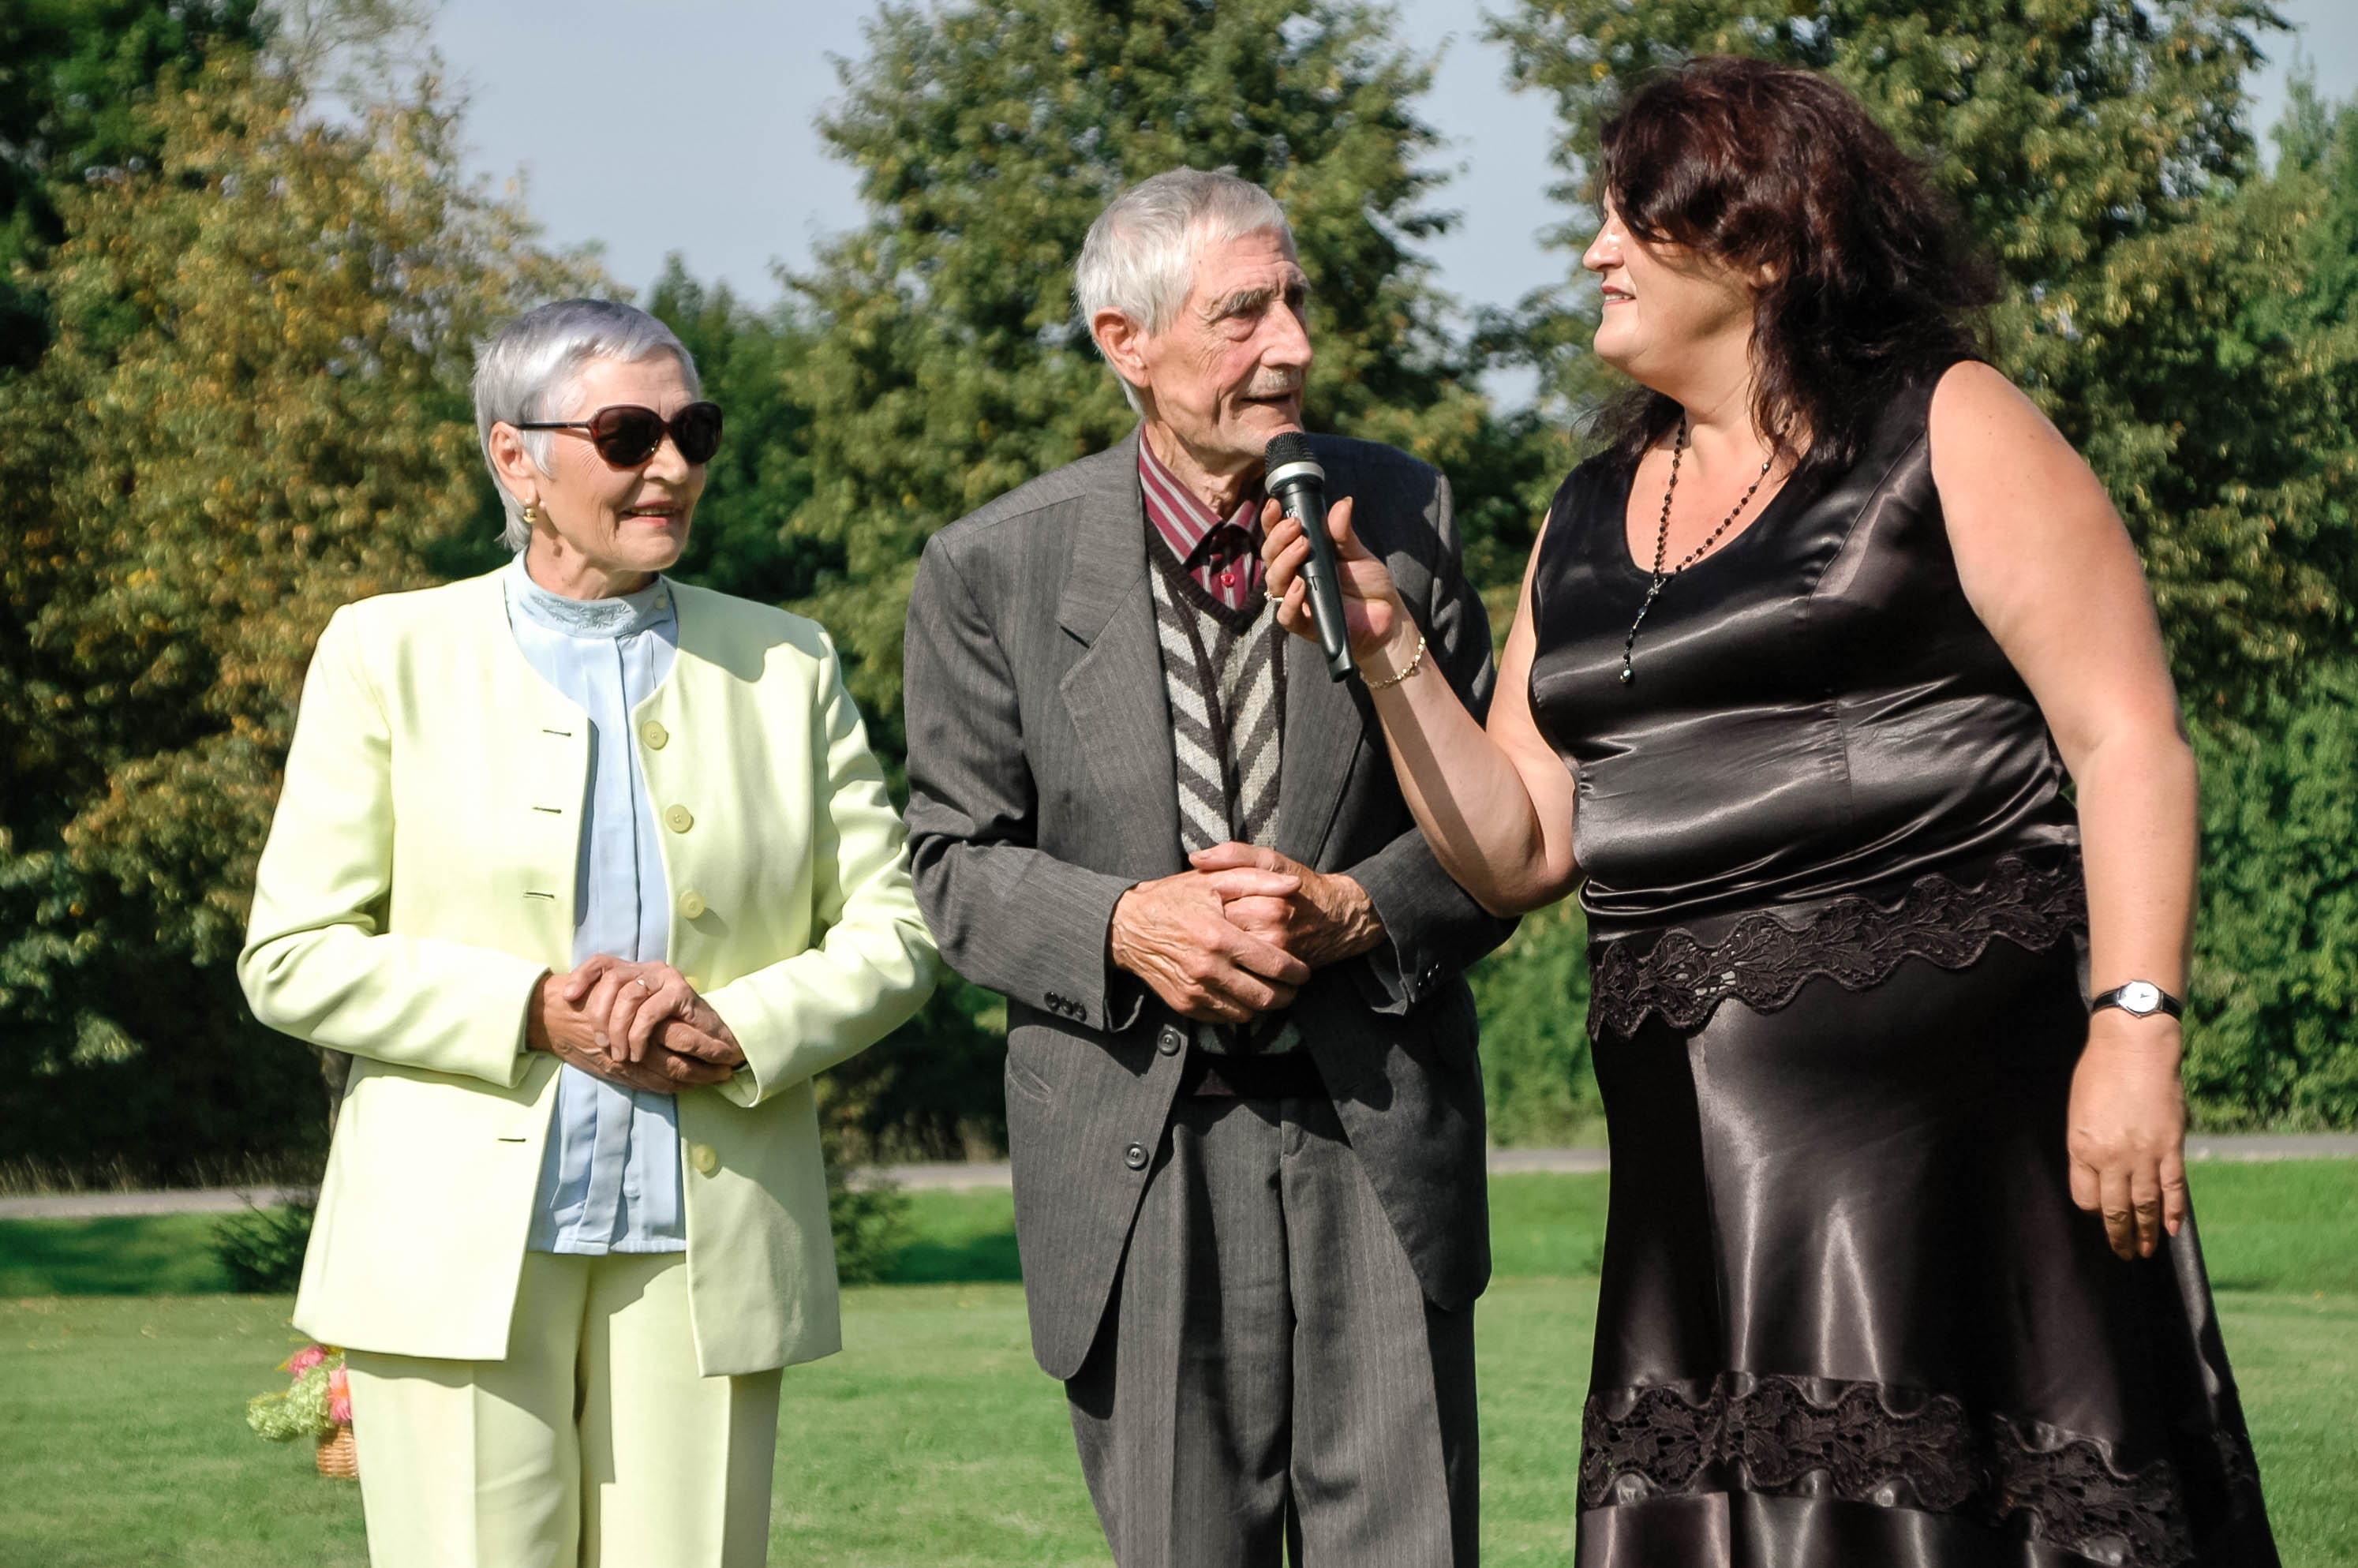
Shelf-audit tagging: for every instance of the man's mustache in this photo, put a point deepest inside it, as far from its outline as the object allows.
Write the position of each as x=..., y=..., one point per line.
x=1285, y=385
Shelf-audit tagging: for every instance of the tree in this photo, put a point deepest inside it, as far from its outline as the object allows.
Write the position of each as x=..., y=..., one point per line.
x=761, y=477
x=1538, y=1082
x=2275, y=996
x=254, y=411
x=2098, y=148
x=2275, y=975
x=73, y=75
x=951, y=364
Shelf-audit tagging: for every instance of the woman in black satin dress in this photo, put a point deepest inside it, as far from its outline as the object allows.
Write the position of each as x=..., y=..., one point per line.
x=1900, y=1269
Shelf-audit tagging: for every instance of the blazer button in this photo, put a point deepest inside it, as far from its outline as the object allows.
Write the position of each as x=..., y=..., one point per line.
x=1171, y=1041
x=691, y=903
x=703, y=1157
x=655, y=735
x=1135, y=1156
x=678, y=819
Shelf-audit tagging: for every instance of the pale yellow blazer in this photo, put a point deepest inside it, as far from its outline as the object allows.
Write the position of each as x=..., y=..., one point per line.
x=420, y=879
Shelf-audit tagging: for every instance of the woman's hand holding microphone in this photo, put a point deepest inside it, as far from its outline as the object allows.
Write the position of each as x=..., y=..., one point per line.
x=639, y=1025
x=1383, y=634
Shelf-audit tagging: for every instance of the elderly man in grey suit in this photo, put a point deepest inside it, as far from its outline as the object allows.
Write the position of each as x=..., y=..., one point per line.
x=1243, y=1101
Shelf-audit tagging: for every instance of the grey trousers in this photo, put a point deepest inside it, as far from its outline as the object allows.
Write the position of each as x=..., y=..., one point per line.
x=1269, y=1377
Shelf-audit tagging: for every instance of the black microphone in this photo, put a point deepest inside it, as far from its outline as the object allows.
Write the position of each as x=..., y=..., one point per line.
x=1299, y=485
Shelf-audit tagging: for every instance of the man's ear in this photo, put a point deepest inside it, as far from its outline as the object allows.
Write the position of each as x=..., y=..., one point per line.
x=1123, y=343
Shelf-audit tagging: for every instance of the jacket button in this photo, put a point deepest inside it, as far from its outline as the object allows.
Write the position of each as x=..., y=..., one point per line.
x=1135, y=1156
x=678, y=819
x=703, y=1157
x=1171, y=1041
x=691, y=903
x=655, y=735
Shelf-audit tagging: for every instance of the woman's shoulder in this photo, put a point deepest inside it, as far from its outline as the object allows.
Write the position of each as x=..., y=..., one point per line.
x=406, y=612
x=1594, y=481
x=1977, y=421
x=742, y=632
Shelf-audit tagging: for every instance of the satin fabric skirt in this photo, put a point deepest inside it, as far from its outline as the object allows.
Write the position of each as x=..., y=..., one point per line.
x=1851, y=1318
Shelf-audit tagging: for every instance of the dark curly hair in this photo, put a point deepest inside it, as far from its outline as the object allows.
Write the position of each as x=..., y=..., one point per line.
x=1874, y=280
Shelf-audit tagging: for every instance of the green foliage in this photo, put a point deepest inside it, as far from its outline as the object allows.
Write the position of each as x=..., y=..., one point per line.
x=871, y=1222
x=947, y=364
x=2275, y=994
x=261, y=1250
x=1533, y=994
x=951, y=365
x=254, y=411
x=2098, y=148
x=74, y=75
x=762, y=475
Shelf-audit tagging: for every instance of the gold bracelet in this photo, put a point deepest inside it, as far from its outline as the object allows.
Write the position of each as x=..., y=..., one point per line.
x=1415, y=662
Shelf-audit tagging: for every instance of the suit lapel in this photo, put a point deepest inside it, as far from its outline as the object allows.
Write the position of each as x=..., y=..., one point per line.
x=1114, y=690
x=1323, y=737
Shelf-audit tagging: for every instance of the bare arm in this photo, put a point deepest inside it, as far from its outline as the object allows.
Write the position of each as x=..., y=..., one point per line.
x=1495, y=804
x=2048, y=567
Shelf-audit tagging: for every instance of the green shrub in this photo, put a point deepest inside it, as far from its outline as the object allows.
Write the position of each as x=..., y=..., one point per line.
x=2273, y=1004
x=1533, y=994
x=872, y=1225
x=262, y=1249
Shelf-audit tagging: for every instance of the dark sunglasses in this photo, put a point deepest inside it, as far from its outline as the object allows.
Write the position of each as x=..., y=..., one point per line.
x=627, y=435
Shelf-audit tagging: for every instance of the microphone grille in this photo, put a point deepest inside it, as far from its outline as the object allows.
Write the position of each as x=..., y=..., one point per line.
x=1291, y=447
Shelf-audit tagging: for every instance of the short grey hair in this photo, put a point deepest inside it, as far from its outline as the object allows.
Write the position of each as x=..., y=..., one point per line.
x=525, y=373
x=1139, y=256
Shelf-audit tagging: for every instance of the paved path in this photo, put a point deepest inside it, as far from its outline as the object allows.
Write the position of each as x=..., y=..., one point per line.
x=966, y=1177
x=186, y=1200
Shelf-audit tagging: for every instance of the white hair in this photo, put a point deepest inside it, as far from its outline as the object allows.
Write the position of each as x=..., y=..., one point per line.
x=1140, y=254
x=525, y=371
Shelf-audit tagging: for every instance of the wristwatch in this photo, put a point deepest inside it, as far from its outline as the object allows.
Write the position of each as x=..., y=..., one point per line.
x=2139, y=998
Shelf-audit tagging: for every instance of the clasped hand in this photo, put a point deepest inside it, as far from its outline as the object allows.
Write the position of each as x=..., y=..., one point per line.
x=639, y=1025
x=1241, y=933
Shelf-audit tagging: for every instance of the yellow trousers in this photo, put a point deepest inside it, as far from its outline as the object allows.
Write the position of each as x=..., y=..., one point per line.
x=594, y=1444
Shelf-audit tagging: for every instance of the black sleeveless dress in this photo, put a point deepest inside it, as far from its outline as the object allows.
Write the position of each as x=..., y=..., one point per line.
x=1850, y=1316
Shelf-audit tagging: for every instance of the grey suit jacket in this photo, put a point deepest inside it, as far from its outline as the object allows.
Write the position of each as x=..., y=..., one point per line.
x=1041, y=786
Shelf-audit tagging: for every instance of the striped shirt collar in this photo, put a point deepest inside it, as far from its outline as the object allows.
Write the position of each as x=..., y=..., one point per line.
x=1187, y=526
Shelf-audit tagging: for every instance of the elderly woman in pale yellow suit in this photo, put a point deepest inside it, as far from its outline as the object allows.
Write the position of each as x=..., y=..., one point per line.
x=589, y=872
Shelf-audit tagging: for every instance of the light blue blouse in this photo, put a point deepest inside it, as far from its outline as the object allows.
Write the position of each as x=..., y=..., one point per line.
x=610, y=1180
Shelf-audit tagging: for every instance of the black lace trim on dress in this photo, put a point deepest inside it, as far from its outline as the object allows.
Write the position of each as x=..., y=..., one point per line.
x=1855, y=941
x=1869, y=1443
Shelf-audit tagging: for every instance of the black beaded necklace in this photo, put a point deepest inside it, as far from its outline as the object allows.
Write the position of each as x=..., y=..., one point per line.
x=1662, y=540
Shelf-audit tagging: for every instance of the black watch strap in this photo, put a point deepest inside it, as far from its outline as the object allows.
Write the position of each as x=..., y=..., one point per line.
x=2139, y=998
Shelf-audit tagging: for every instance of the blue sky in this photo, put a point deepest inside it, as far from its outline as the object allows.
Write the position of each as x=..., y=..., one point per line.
x=688, y=126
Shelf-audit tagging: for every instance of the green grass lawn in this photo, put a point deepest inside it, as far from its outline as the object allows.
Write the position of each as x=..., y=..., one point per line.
x=933, y=1440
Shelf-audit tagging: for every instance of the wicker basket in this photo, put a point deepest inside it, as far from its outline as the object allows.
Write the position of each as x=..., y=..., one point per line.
x=338, y=1456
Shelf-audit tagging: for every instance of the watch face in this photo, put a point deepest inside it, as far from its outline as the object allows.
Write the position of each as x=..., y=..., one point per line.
x=2140, y=996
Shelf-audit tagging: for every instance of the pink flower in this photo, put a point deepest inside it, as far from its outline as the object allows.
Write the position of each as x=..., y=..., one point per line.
x=303, y=1361
x=339, y=1386
x=340, y=1409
